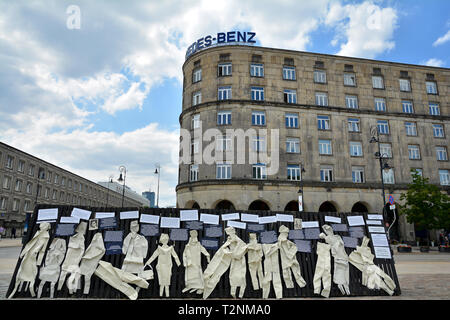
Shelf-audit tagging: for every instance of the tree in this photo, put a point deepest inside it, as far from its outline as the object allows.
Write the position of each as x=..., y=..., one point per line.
x=425, y=205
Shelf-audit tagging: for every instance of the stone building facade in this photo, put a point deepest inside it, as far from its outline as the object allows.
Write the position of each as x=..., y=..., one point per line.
x=23, y=177
x=325, y=110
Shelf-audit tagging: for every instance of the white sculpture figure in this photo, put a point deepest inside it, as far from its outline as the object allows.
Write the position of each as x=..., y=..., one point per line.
x=322, y=274
x=91, y=258
x=372, y=275
x=218, y=265
x=119, y=279
x=238, y=266
x=71, y=263
x=135, y=248
x=255, y=255
x=288, y=250
x=164, y=254
x=32, y=256
x=52, y=265
x=271, y=271
x=192, y=262
x=341, y=267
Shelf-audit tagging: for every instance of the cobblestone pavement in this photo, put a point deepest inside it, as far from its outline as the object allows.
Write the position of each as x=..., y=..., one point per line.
x=422, y=276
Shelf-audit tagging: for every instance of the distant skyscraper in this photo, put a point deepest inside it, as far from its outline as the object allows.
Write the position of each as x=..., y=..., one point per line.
x=150, y=195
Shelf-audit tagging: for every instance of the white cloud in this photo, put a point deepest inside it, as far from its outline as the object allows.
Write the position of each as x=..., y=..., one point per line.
x=434, y=62
x=441, y=40
x=364, y=30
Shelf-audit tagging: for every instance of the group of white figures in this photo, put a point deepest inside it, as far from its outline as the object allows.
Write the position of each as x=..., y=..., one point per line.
x=77, y=262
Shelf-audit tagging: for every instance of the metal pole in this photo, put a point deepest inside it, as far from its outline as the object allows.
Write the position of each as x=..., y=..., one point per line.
x=123, y=187
x=157, y=199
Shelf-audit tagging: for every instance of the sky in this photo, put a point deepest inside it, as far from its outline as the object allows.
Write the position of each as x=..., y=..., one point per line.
x=99, y=85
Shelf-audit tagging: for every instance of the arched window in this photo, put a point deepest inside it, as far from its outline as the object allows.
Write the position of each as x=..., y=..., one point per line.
x=327, y=207
x=225, y=205
x=258, y=205
x=359, y=207
x=291, y=206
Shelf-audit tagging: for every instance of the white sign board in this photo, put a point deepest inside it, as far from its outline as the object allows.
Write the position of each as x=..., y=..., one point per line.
x=310, y=224
x=236, y=224
x=392, y=207
x=47, y=214
x=375, y=216
x=268, y=219
x=129, y=215
x=80, y=213
x=230, y=216
x=101, y=215
x=167, y=222
x=285, y=217
x=379, y=240
x=332, y=219
x=149, y=218
x=69, y=220
x=376, y=229
x=374, y=222
x=188, y=215
x=249, y=217
x=382, y=252
x=300, y=203
x=355, y=220
x=209, y=218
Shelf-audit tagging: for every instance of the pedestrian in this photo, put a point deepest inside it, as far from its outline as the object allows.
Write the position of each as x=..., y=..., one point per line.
x=13, y=232
x=1, y=231
x=441, y=239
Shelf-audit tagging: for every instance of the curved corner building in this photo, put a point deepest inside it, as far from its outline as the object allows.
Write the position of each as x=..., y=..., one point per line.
x=325, y=110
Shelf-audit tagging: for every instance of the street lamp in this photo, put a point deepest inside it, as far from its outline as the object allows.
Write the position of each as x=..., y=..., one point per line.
x=123, y=171
x=107, y=192
x=158, y=172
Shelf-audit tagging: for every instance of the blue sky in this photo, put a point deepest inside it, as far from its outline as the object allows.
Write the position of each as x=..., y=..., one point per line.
x=109, y=93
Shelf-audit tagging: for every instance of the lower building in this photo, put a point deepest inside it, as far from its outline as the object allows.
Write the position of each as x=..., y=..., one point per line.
x=129, y=193
x=150, y=195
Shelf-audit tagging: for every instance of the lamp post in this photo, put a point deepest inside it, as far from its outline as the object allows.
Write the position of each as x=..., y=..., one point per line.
x=158, y=173
x=107, y=192
x=300, y=191
x=123, y=171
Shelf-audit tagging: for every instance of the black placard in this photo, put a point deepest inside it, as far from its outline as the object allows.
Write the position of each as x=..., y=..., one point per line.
x=256, y=227
x=65, y=229
x=356, y=232
x=303, y=245
x=312, y=233
x=296, y=234
x=213, y=231
x=149, y=230
x=350, y=242
x=179, y=234
x=342, y=227
x=194, y=225
x=268, y=236
x=210, y=243
x=113, y=247
x=107, y=223
x=113, y=236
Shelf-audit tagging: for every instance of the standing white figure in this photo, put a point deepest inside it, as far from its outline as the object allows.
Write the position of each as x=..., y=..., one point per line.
x=341, y=275
x=91, y=258
x=192, y=262
x=164, y=254
x=255, y=255
x=32, y=256
x=52, y=265
x=322, y=273
x=288, y=250
x=271, y=271
x=372, y=276
x=71, y=263
x=238, y=267
x=135, y=248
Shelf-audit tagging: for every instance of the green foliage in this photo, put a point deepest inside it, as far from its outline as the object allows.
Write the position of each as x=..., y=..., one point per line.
x=426, y=205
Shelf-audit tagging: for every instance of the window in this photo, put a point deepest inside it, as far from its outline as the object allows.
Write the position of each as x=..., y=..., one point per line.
x=196, y=98
x=54, y=194
x=49, y=176
x=349, y=79
x=380, y=104
x=31, y=170
x=259, y=171
x=56, y=179
x=444, y=177
x=404, y=85
x=257, y=70
x=356, y=149
x=323, y=123
x=290, y=96
x=293, y=172
x=441, y=153
x=6, y=182
x=407, y=107
x=258, y=118
x=325, y=147
x=416, y=171
x=431, y=87
x=223, y=171
x=63, y=181
x=195, y=121
x=388, y=176
x=383, y=126
x=326, y=174
x=47, y=193
x=224, y=69
x=410, y=128
x=194, y=147
x=21, y=166
x=289, y=73
x=292, y=145
x=321, y=99
x=320, y=76
x=353, y=125
x=386, y=150
x=434, y=109
x=9, y=162
x=258, y=144
x=27, y=206
x=197, y=75
x=224, y=93
x=377, y=82
x=224, y=117
x=18, y=186
x=291, y=120
x=29, y=188
x=223, y=143
x=351, y=102
x=414, y=152
x=257, y=93
x=193, y=172
x=357, y=174
x=438, y=131
x=16, y=204
x=3, y=203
